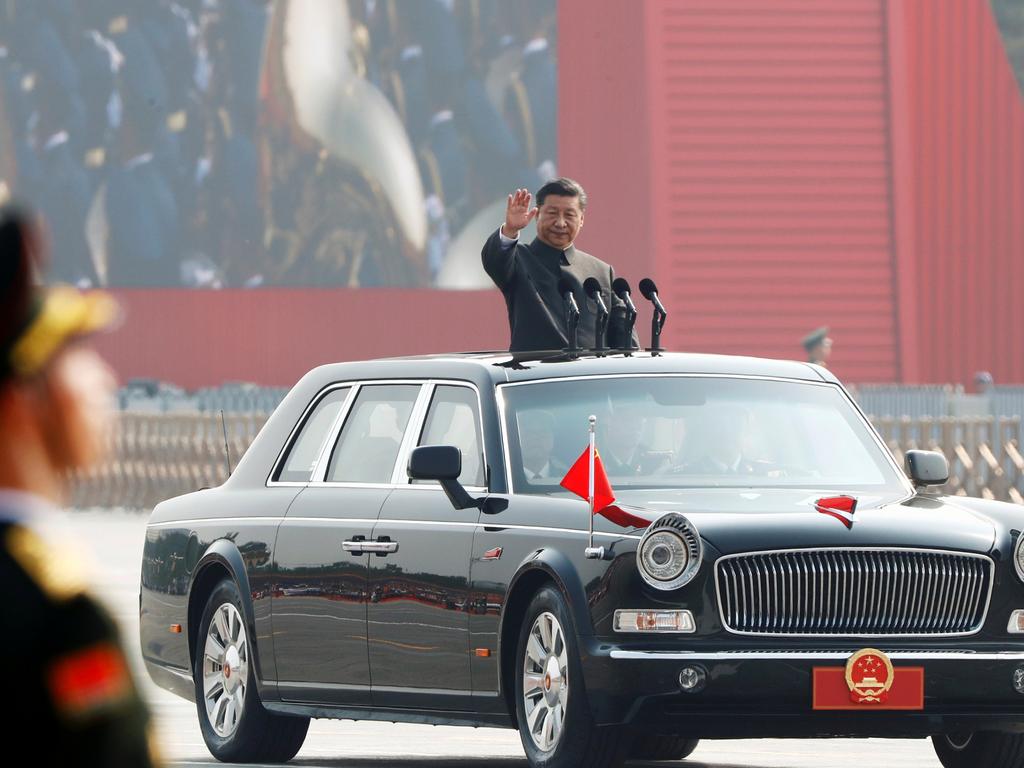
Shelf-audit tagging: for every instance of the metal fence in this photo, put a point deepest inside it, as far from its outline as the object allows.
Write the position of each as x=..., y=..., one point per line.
x=155, y=456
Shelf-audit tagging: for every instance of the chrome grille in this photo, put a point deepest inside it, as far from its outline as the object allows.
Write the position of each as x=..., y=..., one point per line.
x=854, y=592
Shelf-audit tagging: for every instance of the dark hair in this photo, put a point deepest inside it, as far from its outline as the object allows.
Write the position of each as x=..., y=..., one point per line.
x=565, y=188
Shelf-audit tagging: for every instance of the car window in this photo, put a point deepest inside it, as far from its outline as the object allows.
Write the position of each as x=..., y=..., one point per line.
x=679, y=432
x=298, y=466
x=372, y=435
x=454, y=419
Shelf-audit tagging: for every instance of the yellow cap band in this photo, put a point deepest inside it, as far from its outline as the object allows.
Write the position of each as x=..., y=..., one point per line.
x=66, y=313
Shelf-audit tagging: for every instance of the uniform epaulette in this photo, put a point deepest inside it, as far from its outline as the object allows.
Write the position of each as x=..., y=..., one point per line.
x=58, y=572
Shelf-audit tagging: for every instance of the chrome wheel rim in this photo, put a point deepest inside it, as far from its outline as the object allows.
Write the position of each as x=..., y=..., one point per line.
x=545, y=682
x=959, y=741
x=225, y=670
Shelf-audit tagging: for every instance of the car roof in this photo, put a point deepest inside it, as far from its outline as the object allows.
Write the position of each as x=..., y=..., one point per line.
x=502, y=367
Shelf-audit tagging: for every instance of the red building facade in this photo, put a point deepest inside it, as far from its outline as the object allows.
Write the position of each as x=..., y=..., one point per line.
x=857, y=164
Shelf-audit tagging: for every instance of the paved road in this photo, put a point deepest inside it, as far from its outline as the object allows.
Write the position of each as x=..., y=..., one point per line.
x=116, y=542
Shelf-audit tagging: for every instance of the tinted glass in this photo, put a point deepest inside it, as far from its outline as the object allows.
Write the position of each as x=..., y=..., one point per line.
x=368, y=445
x=678, y=432
x=454, y=419
x=305, y=450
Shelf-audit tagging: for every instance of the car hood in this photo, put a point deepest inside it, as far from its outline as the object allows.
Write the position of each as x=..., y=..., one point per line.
x=743, y=520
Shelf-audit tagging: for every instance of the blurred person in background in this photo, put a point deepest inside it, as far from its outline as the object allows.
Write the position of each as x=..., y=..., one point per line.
x=77, y=703
x=818, y=346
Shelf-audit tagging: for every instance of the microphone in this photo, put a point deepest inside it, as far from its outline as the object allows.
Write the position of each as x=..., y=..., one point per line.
x=650, y=292
x=572, y=313
x=621, y=289
x=593, y=291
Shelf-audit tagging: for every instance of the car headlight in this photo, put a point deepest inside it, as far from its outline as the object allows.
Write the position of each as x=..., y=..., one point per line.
x=670, y=552
x=1018, y=557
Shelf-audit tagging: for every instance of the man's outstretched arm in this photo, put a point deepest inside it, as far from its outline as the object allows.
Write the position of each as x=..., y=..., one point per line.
x=498, y=254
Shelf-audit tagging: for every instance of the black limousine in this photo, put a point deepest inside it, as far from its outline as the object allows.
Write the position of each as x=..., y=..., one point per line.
x=397, y=545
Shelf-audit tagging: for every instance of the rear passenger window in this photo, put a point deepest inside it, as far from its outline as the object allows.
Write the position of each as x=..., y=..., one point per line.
x=368, y=446
x=298, y=466
x=454, y=419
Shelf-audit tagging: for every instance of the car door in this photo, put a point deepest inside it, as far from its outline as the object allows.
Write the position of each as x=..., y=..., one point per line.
x=319, y=607
x=418, y=621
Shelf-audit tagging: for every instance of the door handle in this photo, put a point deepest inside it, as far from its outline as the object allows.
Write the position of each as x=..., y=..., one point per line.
x=355, y=546
x=379, y=547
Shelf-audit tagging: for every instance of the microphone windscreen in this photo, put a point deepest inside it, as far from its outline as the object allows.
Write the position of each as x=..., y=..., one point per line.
x=620, y=286
x=564, y=286
x=592, y=287
x=648, y=288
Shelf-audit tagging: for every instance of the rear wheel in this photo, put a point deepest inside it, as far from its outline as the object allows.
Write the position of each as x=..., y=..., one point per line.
x=555, y=724
x=662, y=746
x=235, y=726
x=983, y=749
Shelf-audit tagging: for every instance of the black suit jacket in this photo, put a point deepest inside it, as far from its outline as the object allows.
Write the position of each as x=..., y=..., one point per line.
x=528, y=277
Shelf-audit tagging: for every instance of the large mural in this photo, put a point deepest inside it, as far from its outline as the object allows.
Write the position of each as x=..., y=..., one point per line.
x=245, y=143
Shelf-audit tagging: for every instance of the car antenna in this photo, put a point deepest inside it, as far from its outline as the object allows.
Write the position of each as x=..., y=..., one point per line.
x=227, y=453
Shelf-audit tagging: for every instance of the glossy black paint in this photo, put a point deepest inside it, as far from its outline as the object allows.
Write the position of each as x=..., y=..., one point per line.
x=426, y=633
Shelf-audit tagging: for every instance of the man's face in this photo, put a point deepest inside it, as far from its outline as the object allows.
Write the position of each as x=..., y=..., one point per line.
x=559, y=221
x=537, y=440
x=77, y=409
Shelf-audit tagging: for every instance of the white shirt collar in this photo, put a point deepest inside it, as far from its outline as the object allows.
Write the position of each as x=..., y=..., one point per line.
x=61, y=137
x=138, y=160
x=536, y=45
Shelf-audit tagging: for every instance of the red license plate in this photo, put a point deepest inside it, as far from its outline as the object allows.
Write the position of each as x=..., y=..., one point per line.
x=832, y=690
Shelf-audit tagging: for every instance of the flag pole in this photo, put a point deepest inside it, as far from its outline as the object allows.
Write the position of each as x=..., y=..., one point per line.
x=592, y=552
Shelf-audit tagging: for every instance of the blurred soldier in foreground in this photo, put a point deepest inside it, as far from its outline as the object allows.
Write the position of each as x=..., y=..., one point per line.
x=818, y=346
x=76, y=702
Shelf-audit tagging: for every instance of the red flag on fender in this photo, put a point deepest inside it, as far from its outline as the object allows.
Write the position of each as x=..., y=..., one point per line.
x=577, y=480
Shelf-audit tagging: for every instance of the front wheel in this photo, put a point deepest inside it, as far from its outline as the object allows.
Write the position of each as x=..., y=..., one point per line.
x=235, y=726
x=555, y=724
x=984, y=749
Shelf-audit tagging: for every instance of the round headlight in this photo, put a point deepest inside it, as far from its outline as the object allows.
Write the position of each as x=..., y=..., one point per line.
x=670, y=552
x=1018, y=557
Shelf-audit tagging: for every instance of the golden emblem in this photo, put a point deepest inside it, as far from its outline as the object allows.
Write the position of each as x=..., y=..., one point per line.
x=869, y=675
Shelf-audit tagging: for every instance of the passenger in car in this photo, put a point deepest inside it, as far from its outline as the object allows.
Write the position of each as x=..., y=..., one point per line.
x=537, y=442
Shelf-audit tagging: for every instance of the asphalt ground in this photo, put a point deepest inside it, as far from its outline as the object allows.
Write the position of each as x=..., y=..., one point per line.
x=114, y=540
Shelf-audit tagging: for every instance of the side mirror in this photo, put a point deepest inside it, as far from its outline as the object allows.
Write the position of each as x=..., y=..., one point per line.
x=927, y=468
x=444, y=464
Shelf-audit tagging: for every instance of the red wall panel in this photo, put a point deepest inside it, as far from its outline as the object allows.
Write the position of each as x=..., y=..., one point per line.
x=772, y=179
x=273, y=336
x=958, y=169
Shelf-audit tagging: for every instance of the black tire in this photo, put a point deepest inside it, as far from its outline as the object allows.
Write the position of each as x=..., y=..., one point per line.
x=662, y=746
x=984, y=749
x=258, y=736
x=581, y=743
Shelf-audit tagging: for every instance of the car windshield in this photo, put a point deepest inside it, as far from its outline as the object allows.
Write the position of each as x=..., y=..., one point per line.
x=694, y=432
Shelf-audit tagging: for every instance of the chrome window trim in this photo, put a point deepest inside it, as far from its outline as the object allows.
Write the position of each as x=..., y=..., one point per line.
x=502, y=406
x=401, y=479
x=412, y=431
x=923, y=550
x=416, y=418
x=733, y=656
x=286, y=447
x=323, y=464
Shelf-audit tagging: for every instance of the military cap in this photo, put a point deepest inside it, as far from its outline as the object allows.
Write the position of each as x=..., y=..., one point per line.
x=815, y=337
x=36, y=322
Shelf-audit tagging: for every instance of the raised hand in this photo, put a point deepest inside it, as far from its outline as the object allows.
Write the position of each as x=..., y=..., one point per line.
x=518, y=213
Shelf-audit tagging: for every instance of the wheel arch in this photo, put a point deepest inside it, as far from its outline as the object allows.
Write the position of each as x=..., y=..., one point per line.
x=222, y=560
x=544, y=567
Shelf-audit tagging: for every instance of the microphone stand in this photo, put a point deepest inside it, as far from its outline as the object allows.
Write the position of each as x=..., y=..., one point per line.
x=572, y=321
